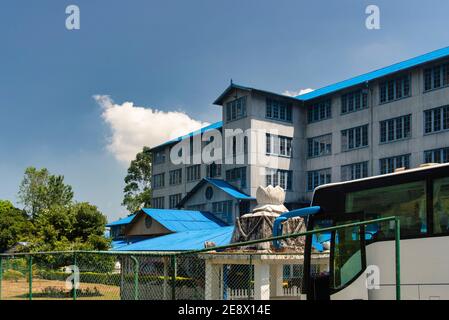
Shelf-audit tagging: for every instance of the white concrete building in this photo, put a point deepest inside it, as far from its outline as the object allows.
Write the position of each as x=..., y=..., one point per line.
x=397, y=116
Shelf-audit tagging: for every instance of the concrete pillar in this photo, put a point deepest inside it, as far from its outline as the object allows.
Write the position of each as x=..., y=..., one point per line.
x=213, y=281
x=261, y=282
x=276, y=280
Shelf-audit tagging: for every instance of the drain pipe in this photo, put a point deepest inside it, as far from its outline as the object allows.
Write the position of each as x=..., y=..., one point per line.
x=277, y=226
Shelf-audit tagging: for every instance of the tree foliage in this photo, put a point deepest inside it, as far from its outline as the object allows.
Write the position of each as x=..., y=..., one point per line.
x=138, y=182
x=51, y=221
x=14, y=225
x=39, y=190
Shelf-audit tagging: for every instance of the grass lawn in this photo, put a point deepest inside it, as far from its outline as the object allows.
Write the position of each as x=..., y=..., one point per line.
x=19, y=290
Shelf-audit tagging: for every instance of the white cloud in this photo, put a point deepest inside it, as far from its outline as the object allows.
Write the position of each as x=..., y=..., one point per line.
x=297, y=93
x=133, y=127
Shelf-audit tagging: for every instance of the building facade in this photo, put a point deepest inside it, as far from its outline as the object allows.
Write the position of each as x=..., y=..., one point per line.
x=394, y=117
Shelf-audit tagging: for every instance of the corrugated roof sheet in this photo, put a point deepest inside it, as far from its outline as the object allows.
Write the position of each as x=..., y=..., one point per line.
x=229, y=189
x=216, y=126
x=181, y=241
x=184, y=220
x=121, y=221
x=428, y=57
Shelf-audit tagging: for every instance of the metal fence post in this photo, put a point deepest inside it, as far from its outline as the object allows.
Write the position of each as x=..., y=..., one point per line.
x=30, y=277
x=74, y=282
x=1, y=276
x=173, y=277
x=397, y=237
x=136, y=277
x=251, y=275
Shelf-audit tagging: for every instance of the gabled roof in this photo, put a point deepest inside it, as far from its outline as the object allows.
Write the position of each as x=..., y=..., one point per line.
x=229, y=189
x=181, y=241
x=425, y=58
x=184, y=220
x=232, y=86
x=122, y=221
x=214, y=126
x=220, y=184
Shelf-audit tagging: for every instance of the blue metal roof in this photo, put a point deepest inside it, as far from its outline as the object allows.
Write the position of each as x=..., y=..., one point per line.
x=428, y=57
x=229, y=189
x=121, y=221
x=181, y=241
x=115, y=244
x=216, y=126
x=184, y=220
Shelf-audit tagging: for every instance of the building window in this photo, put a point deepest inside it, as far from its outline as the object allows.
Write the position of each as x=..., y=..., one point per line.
x=158, y=202
x=158, y=181
x=354, y=138
x=174, y=199
x=437, y=155
x=277, y=177
x=354, y=171
x=236, y=109
x=223, y=211
x=193, y=173
x=279, y=145
x=436, y=119
x=319, y=146
x=159, y=157
x=213, y=170
x=407, y=201
x=354, y=101
x=436, y=77
x=395, y=89
x=197, y=207
x=237, y=174
x=389, y=165
x=175, y=176
x=278, y=110
x=395, y=129
x=317, y=178
x=319, y=111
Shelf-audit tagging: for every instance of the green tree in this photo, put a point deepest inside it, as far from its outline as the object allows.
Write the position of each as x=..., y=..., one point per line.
x=14, y=225
x=138, y=182
x=40, y=190
x=87, y=221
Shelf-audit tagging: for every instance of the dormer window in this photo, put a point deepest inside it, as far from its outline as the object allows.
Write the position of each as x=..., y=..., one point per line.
x=236, y=109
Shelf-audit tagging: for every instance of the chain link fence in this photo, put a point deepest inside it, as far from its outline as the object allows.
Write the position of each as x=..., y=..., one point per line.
x=152, y=276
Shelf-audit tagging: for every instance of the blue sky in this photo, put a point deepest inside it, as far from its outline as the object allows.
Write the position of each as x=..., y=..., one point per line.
x=171, y=56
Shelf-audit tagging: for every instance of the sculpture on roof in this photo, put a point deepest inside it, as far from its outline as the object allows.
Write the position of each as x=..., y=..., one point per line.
x=258, y=224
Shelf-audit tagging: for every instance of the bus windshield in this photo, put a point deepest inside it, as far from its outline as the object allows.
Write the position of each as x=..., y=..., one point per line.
x=407, y=201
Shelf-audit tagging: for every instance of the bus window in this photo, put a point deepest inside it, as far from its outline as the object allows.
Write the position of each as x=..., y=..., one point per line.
x=347, y=257
x=407, y=201
x=440, y=205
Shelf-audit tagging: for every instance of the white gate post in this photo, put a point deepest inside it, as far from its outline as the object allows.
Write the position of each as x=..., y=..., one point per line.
x=276, y=280
x=261, y=282
x=213, y=279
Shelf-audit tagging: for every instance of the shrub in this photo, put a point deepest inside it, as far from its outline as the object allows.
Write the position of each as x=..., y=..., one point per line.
x=12, y=275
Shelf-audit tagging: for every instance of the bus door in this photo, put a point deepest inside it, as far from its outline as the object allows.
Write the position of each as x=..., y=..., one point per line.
x=334, y=260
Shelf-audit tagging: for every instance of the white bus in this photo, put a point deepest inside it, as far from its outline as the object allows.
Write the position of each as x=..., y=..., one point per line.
x=420, y=198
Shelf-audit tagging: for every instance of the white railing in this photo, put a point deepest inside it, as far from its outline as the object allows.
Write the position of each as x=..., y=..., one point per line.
x=239, y=294
x=242, y=294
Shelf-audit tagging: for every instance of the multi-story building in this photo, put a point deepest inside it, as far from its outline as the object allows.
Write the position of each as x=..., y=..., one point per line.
x=372, y=124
